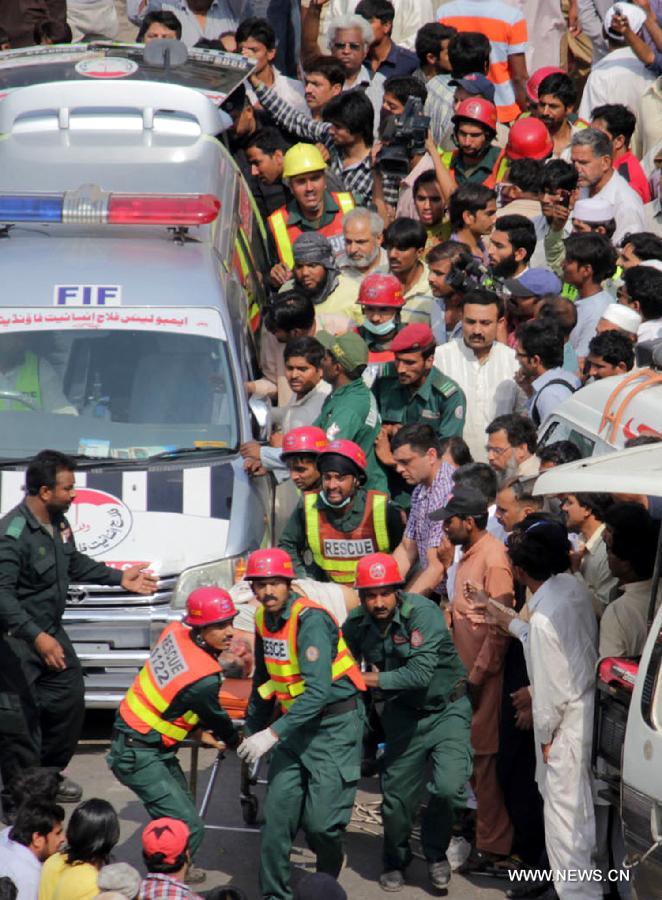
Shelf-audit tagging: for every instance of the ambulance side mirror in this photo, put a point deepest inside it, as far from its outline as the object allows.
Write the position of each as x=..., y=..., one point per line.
x=260, y=408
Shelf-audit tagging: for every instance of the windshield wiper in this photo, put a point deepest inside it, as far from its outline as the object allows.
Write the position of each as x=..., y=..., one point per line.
x=187, y=451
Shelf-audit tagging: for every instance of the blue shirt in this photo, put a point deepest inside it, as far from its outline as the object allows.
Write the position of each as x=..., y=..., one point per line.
x=548, y=396
x=399, y=61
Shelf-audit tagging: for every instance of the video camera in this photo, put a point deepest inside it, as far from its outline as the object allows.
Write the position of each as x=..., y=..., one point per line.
x=403, y=137
x=467, y=274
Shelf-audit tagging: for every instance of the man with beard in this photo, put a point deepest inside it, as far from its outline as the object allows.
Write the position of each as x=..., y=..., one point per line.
x=38, y=560
x=510, y=246
x=363, y=231
x=557, y=98
x=483, y=367
x=511, y=447
x=318, y=277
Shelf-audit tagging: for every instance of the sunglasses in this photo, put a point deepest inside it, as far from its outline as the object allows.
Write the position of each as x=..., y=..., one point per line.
x=353, y=45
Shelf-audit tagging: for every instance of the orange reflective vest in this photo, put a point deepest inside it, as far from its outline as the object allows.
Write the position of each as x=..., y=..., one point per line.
x=285, y=235
x=448, y=158
x=280, y=657
x=174, y=663
x=338, y=553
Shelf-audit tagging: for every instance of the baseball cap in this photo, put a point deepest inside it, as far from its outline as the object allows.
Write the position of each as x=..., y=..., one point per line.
x=593, y=209
x=349, y=349
x=416, y=336
x=167, y=836
x=464, y=501
x=623, y=317
x=475, y=84
x=534, y=283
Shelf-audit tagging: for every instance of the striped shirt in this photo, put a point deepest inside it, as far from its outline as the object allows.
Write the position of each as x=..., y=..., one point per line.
x=505, y=28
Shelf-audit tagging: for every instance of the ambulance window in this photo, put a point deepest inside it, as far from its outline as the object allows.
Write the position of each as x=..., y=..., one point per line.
x=584, y=444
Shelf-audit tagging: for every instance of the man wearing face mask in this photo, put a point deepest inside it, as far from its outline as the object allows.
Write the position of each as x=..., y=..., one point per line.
x=318, y=277
x=201, y=18
x=330, y=531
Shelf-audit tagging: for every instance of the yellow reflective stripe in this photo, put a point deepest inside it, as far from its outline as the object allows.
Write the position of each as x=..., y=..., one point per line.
x=191, y=717
x=379, y=522
x=27, y=382
x=504, y=165
x=296, y=688
x=345, y=201
x=150, y=718
x=151, y=692
x=267, y=690
x=312, y=521
x=447, y=158
x=282, y=238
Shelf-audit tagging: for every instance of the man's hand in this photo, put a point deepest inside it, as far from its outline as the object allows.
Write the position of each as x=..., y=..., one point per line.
x=546, y=749
x=255, y=746
x=254, y=468
x=137, y=580
x=499, y=615
x=51, y=651
x=559, y=216
x=446, y=553
x=574, y=28
x=524, y=381
x=279, y=274
x=383, y=447
x=523, y=705
x=207, y=739
x=276, y=439
x=250, y=450
x=576, y=557
x=371, y=679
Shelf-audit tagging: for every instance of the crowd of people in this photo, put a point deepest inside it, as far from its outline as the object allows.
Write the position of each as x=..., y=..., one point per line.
x=462, y=207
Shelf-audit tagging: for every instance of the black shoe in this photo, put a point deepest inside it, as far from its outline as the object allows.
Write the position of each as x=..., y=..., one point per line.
x=439, y=874
x=195, y=875
x=393, y=880
x=68, y=791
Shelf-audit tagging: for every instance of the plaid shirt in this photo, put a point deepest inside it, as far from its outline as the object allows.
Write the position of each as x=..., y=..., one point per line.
x=164, y=887
x=439, y=106
x=425, y=500
x=357, y=178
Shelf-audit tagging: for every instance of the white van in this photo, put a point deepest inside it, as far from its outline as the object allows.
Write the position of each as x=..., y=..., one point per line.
x=635, y=471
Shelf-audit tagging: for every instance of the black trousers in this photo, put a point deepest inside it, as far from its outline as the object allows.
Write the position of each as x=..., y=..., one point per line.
x=46, y=707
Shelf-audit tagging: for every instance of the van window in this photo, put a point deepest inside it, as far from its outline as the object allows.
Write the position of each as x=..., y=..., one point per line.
x=114, y=393
x=559, y=430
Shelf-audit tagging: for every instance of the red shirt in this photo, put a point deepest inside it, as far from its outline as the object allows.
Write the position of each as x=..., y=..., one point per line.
x=629, y=167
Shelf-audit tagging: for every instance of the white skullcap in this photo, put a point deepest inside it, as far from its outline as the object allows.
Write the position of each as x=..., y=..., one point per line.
x=634, y=14
x=593, y=209
x=624, y=316
x=652, y=264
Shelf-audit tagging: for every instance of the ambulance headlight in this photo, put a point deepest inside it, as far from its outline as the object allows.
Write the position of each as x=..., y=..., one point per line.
x=222, y=573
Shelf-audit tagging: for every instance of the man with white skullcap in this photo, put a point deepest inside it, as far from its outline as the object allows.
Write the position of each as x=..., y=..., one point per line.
x=618, y=317
x=594, y=214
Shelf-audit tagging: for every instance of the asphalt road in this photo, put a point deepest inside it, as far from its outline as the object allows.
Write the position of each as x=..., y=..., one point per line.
x=232, y=857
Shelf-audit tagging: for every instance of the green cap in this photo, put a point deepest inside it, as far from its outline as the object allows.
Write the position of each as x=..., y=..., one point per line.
x=349, y=349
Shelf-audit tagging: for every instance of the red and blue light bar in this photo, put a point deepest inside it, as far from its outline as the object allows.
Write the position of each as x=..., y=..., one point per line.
x=89, y=205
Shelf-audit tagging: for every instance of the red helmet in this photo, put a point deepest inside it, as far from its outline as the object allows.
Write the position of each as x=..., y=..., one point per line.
x=377, y=570
x=537, y=78
x=349, y=450
x=307, y=439
x=269, y=563
x=477, y=109
x=208, y=605
x=381, y=290
x=529, y=139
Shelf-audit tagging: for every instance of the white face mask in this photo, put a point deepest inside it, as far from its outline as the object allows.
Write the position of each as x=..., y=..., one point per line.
x=381, y=329
x=335, y=505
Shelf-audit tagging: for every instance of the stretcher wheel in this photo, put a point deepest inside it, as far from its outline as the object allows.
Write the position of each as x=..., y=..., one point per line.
x=249, y=807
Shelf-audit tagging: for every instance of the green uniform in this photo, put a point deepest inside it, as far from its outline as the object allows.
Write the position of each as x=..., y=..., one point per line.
x=439, y=402
x=295, y=540
x=152, y=771
x=481, y=171
x=350, y=412
x=37, y=563
x=420, y=674
x=316, y=764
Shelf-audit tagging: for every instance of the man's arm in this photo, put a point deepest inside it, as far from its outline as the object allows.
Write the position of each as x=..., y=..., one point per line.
x=13, y=617
x=84, y=569
x=394, y=523
x=316, y=648
x=405, y=555
x=203, y=698
x=518, y=77
x=310, y=29
x=289, y=118
x=426, y=580
x=419, y=667
x=259, y=712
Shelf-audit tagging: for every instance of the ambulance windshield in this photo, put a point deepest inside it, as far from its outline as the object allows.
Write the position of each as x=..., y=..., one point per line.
x=155, y=382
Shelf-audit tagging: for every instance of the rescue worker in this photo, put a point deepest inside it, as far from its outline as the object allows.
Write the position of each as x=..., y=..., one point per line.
x=175, y=692
x=381, y=298
x=350, y=410
x=331, y=530
x=303, y=668
x=420, y=684
x=313, y=208
x=41, y=715
x=418, y=392
x=299, y=452
x=477, y=158
x=528, y=138
x=29, y=382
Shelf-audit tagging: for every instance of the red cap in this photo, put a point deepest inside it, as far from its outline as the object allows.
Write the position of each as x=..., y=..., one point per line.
x=529, y=139
x=381, y=290
x=207, y=606
x=537, y=78
x=166, y=836
x=477, y=109
x=347, y=449
x=307, y=439
x=270, y=563
x=377, y=570
x=414, y=337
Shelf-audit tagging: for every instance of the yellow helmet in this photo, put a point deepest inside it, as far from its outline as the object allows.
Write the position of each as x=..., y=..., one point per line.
x=302, y=158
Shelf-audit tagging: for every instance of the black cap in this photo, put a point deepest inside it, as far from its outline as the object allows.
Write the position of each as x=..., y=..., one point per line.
x=464, y=501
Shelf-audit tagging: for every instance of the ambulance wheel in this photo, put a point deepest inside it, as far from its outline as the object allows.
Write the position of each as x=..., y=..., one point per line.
x=249, y=808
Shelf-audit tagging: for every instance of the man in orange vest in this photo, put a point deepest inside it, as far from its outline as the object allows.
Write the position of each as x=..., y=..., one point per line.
x=313, y=208
x=176, y=690
x=304, y=669
x=330, y=530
